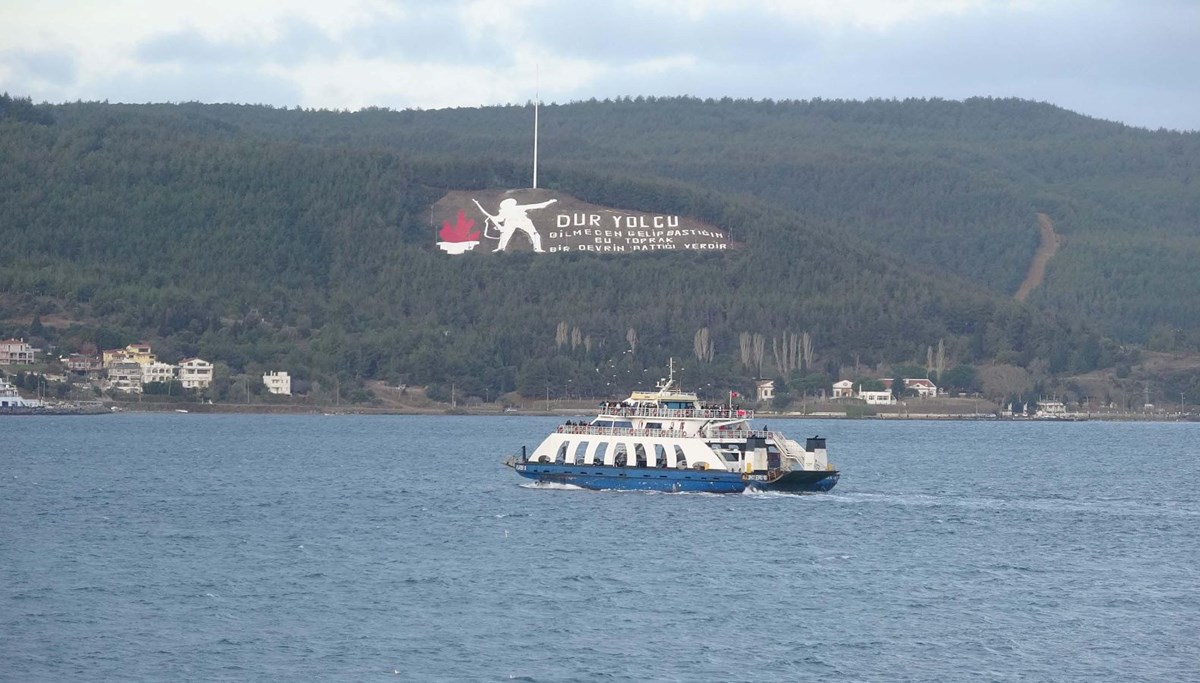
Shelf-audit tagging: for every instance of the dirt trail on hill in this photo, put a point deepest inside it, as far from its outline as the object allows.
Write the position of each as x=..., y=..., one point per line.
x=1051, y=241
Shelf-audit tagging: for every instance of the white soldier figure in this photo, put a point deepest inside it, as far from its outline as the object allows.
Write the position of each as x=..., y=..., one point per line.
x=512, y=217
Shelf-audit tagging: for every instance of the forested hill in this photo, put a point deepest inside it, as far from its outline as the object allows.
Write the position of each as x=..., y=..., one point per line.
x=281, y=239
x=953, y=186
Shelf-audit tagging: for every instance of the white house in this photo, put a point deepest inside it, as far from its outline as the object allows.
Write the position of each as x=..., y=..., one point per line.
x=278, y=383
x=158, y=372
x=1051, y=409
x=765, y=389
x=195, y=373
x=921, y=386
x=878, y=398
x=843, y=389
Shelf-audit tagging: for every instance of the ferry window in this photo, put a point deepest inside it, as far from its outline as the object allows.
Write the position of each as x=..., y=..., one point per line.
x=653, y=425
x=602, y=423
x=660, y=455
x=639, y=452
x=580, y=451
x=620, y=455
x=601, y=451
x=680, y=458
x=622, y=423
x=561, y=456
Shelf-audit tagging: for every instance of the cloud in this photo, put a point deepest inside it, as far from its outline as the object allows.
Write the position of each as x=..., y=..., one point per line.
x=41, y=66
x=438, y=33
x=294, y=40
x=1106, y=62
x=1103, y=63
x=628, y=32
x=1118, y=59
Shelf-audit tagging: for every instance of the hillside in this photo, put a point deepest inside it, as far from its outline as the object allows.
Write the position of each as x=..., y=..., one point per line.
x=954, y=187
x=265, y=238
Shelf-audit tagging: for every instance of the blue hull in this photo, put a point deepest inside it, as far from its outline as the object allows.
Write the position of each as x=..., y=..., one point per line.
x=602, y=477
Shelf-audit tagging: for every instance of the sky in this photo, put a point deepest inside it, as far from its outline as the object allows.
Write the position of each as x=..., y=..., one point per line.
x=1132, y=61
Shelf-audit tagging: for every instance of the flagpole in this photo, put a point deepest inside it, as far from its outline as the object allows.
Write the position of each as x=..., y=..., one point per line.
x=536, y=98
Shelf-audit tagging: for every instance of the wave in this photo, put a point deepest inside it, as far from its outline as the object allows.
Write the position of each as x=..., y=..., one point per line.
x=551, y=485
x=1056, y=504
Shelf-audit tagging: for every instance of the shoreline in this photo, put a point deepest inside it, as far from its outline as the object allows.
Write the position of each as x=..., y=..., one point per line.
x=109, y=408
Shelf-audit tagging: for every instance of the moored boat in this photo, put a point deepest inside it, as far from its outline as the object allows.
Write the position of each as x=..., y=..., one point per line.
x=667, y=440
x=10, y=399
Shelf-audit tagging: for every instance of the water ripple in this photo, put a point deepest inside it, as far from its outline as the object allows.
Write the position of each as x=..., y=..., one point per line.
x=234, y=548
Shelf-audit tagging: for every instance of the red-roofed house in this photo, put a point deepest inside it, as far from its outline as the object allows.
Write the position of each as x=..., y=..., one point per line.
x=923, y=387
x=83, y=363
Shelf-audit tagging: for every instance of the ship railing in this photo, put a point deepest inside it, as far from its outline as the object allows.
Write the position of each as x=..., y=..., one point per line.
x=622, y=410
x=805, y=459
x=719, y=433
x=622, y=431
x=715, y=433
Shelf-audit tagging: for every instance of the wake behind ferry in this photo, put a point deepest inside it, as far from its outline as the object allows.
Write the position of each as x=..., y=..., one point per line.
x=667, y=440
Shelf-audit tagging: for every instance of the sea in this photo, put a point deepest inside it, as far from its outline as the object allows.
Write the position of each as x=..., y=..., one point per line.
x=187, y=547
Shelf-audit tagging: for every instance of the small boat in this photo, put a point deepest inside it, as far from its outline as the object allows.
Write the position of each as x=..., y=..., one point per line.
x=667, y=440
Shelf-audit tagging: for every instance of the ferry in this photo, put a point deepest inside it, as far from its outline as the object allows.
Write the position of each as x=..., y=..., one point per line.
x=10, y=399
x=667, y=440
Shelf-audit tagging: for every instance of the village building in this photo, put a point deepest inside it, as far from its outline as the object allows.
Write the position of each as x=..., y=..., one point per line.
x=16, y=352
x=82, y=364
x=843, y=389
x=1051, y=409
x=158, y=372
x=765, y=389
x=278, y=383
x=195, y=373
x=125, y=377
x=921, y=386
x=878, y=398
x=140, y=353
x=110, y=357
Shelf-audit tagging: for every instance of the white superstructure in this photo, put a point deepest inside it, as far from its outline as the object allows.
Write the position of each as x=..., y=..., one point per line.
x=672, y=429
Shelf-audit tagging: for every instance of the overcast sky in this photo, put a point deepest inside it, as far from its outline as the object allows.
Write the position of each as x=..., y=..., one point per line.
x=1135, y=61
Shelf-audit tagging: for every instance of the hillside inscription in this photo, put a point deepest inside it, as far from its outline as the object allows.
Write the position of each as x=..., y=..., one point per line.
x=545, y=221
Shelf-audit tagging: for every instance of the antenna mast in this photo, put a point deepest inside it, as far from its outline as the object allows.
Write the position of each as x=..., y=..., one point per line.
x=536, y=102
